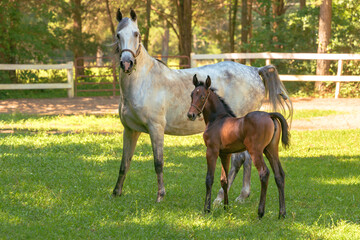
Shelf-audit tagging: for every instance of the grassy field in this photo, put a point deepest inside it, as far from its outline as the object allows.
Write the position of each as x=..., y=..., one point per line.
x=57, y=174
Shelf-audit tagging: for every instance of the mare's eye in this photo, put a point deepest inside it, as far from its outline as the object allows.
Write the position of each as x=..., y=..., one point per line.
x=136, y=34
x=202, y=98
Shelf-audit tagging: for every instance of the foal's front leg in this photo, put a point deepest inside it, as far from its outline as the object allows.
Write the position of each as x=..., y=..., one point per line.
x=211, y=157
x=225, y=162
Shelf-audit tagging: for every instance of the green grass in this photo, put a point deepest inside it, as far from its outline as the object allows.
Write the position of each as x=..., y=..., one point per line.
x=58, y=186
x=307, y=113
x=61, y=123
x=97, y=124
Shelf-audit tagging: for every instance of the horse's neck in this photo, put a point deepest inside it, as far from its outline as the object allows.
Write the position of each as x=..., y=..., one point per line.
x=144, y=62
x=213, y=109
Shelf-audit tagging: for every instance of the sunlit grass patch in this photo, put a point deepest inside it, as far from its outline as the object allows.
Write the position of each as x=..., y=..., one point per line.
x=310, y=113
x=58, y=186
x=62, y=123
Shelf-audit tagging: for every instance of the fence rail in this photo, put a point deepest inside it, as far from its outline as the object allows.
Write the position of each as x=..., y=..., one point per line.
x=268, y=56
x=69, y=85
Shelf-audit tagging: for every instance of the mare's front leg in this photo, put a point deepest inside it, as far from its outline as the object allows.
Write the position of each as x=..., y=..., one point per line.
x=211, y=157
x=157, y=141
x=130, y=138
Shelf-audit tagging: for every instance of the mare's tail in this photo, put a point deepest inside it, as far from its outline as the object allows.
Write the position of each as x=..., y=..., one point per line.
x=276, y=91
x=285, y=134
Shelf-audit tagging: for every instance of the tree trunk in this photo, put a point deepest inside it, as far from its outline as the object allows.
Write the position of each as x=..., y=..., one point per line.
x=184, y=13
x=278, y=9
x=148, y=24
x=302, y=4
x=9, y=23
x=246, y=7
x=232, y=23
x=112, y=28
x=77, y=37
x=165, y=42
x=322, y=66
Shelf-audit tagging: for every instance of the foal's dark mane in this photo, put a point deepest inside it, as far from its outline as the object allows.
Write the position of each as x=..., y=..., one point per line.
x=226, y=106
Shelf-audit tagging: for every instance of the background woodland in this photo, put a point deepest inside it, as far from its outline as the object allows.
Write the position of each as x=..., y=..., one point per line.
x=44, y=31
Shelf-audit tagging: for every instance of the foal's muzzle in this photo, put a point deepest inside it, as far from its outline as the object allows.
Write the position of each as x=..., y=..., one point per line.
x=191, y=116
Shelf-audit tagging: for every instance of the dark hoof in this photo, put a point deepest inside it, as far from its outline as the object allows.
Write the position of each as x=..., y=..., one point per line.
x=260, y=215
x=282, y=215
x=116, y=193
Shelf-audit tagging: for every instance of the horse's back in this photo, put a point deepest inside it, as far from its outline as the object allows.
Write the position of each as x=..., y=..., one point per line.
x=259, y=128
x=241, y=86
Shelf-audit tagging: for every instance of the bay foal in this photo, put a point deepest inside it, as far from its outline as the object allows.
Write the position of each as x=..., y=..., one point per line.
x=257, y=132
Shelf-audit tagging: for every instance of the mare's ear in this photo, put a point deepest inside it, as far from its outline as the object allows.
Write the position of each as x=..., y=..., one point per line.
x=133, y=15
x=208, y=82
x=195, y=81
x=118, y=15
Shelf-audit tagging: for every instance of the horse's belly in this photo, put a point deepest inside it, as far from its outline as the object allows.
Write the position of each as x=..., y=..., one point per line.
x=185, y=127
x=233, y=148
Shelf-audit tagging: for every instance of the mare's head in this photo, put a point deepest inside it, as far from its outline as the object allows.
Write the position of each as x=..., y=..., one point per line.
x=128, y=40
x=199, y=97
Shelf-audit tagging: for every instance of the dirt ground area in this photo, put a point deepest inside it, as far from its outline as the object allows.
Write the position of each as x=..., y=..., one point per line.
x=109, y=105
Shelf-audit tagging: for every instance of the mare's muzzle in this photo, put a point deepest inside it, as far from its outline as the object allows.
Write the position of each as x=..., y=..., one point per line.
x=126, y=66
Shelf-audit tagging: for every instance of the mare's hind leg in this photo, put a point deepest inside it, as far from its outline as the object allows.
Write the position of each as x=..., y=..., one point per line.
x=245, y=191
x=237, y=160
x=225, y=162
x=130, y=138
x=272, y=154
x=258, y=159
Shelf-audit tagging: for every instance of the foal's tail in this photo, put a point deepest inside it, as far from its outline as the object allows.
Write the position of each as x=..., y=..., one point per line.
x=276, y=91
x=285, y=134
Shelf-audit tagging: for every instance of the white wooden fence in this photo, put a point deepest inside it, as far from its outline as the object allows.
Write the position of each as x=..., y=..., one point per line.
x=69, y=85
x=295, y=56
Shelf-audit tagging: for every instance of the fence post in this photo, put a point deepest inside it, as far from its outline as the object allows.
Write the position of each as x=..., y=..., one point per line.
x=192, y=60
x=114, y=75
x=268, y=61
x=70, y=79
x=339, y=70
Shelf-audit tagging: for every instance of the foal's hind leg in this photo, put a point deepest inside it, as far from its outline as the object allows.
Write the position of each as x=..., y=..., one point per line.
x=271, y=152
x=225, y=162
x=258, y=159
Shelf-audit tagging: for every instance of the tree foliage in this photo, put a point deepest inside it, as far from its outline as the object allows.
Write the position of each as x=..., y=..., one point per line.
x=43, y=30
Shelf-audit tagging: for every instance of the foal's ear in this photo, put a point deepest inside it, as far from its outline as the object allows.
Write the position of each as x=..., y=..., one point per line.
x=195, y=81
x=118, y=15
x=133, y=15
x=208, y=82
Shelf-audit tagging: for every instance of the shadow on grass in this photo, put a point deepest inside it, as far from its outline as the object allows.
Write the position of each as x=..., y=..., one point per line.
x=63, y=189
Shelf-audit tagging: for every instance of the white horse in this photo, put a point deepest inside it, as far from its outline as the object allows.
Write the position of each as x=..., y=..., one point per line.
x=154, y=99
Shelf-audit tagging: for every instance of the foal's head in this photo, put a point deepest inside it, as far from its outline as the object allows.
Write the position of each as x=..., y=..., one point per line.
x=199, y=97
x=128, y=40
